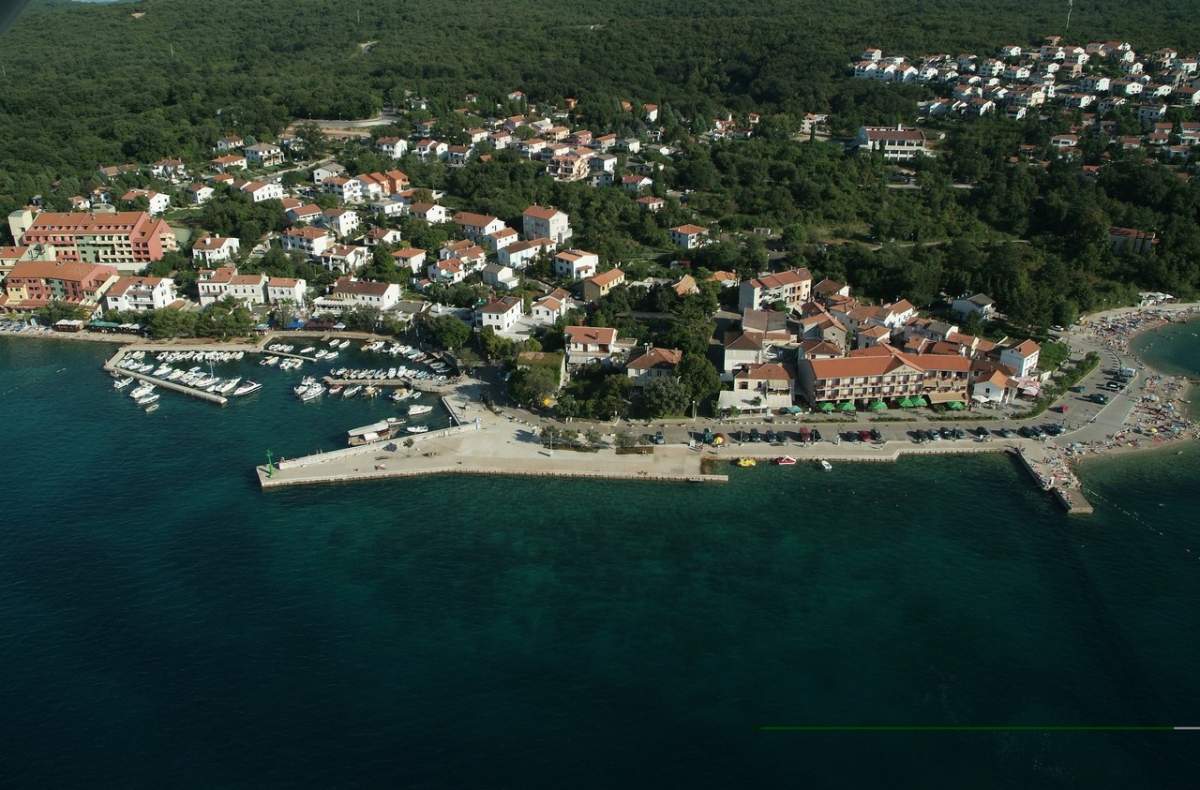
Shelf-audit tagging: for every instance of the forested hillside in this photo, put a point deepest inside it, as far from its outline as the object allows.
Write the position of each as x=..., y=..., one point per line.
x=82, y=84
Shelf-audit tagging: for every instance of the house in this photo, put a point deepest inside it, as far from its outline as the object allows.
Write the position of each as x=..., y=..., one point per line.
x=215, y=249
x=1131, y=240
x=598, y=286
x=228, y=143
x=448, y=271
x=32, y=284
x=249, y=289
x=431, y=149
x=127, y=240
x=476, y=226
x=502, y=314
x=311, y=241
x=342, y=221
x=575, y=264
x=1021, y=359
x=376, y=236
x=724, y=279
x=395, y=147
x=689, y=236
x=636, y=183
x=347, y=190
x=872, y=336
x=652, y=364
x=213, y=284
x=741, y=348
x=227, y=162
x=550, y=307
x=429, y=212
x=979, y=304
x=519, y=254
x=994, y=387
x=344, y=258
x=199, y=194
x=792, y=287
x=650, y=113
x=263, y=155
x=586, y=345
x=651, y=203
x=759, y=388
x=262, y=190
x=156, y=202
x=546, y=222
x=897, y=144
x=494, y=242
x=499, y=276
x=304, y=214
x=168, y=168
x=282, y=290
x=571, y=166
x=321, y=173
x=411, y=258
x=685, y=286
x=1061, y=141
x=139, y=294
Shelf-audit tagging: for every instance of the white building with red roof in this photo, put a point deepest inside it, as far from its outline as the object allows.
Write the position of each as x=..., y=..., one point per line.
x=139, y=294
x=792, y=287
x=210, y=250
x=896, y=143
x=546, y=222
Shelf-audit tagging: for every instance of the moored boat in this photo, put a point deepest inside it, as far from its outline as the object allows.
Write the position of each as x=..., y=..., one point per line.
x=746, y=462
x=247, y=387
x=418, y=409
x=825, y=465
x=785, y=460
x=122, y=383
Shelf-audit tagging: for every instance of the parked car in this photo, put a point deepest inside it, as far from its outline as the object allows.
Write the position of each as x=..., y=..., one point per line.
x=754, y=435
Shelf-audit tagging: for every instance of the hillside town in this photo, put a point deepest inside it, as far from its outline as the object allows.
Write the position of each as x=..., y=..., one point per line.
x=1111, y=97
x=781, y=341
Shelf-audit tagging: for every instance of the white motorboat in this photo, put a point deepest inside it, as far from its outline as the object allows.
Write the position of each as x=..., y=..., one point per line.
x=142, y=391
x=417, y=428
x=153, y=407
x=247, y=387
x=312, y=392
x=146, y=400
x=825, y=465
x=352, y=391
x=122, y=383
x=418, y=409
x=307, y=350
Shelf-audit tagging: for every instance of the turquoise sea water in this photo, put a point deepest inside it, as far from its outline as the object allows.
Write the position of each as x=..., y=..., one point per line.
x=162, y=622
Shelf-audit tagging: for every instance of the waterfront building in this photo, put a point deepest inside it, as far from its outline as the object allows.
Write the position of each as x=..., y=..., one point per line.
x=34, y=284
x=652, y=364
x=125, y=240
x=139, y=294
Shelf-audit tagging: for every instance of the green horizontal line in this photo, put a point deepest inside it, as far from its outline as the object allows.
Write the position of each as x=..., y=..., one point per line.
x=965, y=728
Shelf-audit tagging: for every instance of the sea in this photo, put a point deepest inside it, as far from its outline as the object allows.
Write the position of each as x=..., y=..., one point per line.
x=163, y=623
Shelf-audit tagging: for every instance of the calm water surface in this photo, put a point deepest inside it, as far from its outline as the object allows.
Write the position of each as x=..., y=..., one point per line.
x=163, y=622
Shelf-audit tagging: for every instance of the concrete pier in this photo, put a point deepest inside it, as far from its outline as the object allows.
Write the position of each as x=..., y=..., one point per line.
x=183, y=389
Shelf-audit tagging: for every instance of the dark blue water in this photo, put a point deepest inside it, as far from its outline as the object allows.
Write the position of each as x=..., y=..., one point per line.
x=162, y=622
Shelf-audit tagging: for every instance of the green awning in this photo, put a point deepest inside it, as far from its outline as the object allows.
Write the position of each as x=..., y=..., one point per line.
x=956, y=405
x=827, y=406
x=907, y=403
x=847, y=406
x=878, y=406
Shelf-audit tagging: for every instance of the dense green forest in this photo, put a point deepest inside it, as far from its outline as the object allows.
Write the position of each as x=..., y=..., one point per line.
x=84, y=84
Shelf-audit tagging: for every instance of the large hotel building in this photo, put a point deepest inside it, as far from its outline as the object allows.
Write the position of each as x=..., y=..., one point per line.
x=127, y=240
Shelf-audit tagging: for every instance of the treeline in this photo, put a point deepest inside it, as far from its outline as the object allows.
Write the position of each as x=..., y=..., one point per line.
x=90, y=84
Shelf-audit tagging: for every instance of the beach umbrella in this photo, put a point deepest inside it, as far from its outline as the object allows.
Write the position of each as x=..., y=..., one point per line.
x=955, y=405
x=878, y=406
x=920, y=401
x=827, y=406
x=847, y=406
x=906, y=403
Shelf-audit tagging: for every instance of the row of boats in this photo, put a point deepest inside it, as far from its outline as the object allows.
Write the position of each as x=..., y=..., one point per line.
x=199, y=356
x=196, y=378
x=397, y=350
x=783, y=460
x=388, y=374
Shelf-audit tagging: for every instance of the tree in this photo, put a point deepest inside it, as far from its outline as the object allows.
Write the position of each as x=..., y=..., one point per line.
x=665, y=396
x=449, y=332
x=533, y=385
x=225, y=319
x=57, y=311
x=699, y=377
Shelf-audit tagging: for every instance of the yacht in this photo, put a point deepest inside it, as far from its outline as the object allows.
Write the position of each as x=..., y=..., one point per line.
x=122, y=383
x=417, y=410
x=352, y=391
